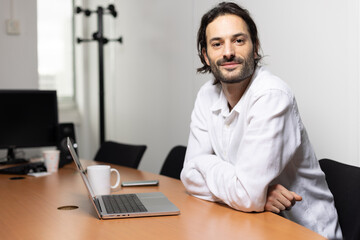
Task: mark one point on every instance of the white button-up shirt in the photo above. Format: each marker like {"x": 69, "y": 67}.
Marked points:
{"x": 233, "y": 157}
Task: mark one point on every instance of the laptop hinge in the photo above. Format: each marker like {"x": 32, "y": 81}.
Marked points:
{"x": 97, "y": 204}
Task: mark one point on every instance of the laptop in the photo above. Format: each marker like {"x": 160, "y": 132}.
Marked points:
{"x": 125, "y": 205}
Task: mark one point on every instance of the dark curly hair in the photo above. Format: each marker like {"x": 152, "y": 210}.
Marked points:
{"x": 220, "y": 10}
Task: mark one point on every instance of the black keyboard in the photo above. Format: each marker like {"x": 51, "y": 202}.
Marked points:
{"x": 24, "y": 168}
{"x": 123, "y": 203}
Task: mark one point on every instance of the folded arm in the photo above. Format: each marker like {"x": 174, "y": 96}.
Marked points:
{"x": 271, "y": 137}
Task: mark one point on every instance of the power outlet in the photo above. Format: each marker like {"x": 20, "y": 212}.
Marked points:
{"x": 12, "y": 27}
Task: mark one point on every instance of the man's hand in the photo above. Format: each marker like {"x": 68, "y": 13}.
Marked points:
{"x": 279, "y": 199}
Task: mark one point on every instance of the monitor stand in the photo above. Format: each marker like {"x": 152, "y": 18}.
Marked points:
{"x": 11, "y": 159}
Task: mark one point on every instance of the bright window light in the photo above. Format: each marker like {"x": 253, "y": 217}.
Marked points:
{"x": 55, "y": 47}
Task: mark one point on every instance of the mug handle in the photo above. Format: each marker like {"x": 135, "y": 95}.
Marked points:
{"x": 118, "y": 178}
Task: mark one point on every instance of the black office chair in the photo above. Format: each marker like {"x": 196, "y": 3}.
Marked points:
{"x": 344, "y": 184}
{"x": 121, "y": 154}
{"x": 174, "y": 162}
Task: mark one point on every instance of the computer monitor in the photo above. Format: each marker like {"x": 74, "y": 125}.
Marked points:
{"x": 28, "y": 118}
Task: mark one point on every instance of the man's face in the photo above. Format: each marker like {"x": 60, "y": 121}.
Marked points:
{"x": 230, "y": 52}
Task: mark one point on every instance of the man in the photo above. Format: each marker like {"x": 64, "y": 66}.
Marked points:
{"x": 247, "y": 146}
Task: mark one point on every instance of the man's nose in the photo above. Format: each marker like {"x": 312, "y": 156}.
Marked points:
{"x": 229, "y": 51}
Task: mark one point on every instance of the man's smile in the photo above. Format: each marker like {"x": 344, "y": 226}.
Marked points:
{"x": 230, "y": 65}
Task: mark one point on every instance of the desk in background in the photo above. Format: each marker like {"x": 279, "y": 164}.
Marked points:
{"x": 29, "y": 210}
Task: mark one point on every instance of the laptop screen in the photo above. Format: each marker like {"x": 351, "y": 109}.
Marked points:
{"x": 79, "y": 166}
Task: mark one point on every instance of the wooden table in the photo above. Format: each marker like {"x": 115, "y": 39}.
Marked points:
{"x": 29, "y": 210}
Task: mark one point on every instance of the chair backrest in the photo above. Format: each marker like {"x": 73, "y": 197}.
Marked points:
{"x": 344, "y": 184}
{"x": 174, "y": 162}
{"x": 121, "y": 154}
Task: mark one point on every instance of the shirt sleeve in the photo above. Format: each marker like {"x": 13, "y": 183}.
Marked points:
{"x": 272, "y": 135}
{"x": 199, "y": 146}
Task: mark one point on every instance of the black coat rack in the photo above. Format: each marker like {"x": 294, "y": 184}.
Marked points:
{"x": 99, "y": 37}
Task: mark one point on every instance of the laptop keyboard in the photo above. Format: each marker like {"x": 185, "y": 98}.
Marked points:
{"x": 124, "y": 203}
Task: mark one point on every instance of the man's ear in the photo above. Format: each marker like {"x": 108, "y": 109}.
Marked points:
{"x": 203, "y": 51}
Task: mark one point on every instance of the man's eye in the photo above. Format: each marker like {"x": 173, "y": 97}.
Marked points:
{"x": 216, "y": 44}
{"x": 239, "y": 41}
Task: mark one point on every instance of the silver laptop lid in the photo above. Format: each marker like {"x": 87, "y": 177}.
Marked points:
{"x": 79, "y": 166}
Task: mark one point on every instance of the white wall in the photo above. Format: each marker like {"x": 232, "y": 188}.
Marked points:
{"x": 155, "y": 77}
{"x": 18, "y": 53}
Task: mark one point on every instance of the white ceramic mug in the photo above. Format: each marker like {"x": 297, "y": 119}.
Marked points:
{"x": 99, "y": 178}
{"x": 51, "y": 160}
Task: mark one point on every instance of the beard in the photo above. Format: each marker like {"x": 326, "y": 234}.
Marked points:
{"x": 247, "y": 69}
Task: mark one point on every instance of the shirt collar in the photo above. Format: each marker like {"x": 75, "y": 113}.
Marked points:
{"x": 221, "y": 105}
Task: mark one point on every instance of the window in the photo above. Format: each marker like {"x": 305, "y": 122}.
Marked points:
{"x": 55, "y": 47}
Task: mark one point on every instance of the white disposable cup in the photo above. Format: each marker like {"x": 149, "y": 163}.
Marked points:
{"x": 51, "y": 160}
{"x": 99, "y": 178}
